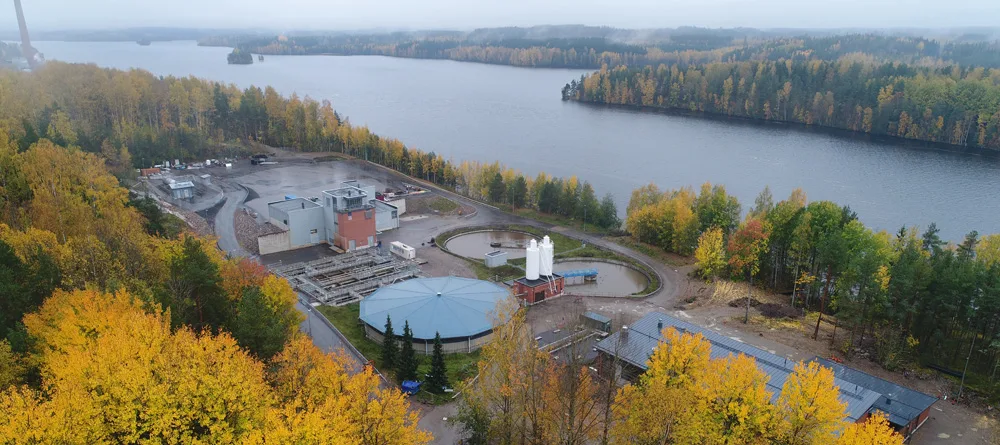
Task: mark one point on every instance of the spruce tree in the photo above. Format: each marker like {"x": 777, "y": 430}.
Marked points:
{"x": 389, "y": 352}
{"x": 406, "y": 366}
{"x": 438, "y": 379}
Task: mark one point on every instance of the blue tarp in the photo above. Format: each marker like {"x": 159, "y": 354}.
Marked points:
{"x": 410, "y": 387}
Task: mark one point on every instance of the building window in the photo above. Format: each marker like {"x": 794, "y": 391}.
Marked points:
{"x": 368, "y": 214}
{"x": 313, "y": 231}
{"x": 395, "y": 214}
{"x": 285, "y": 221}
{"x": 350, "y": 216}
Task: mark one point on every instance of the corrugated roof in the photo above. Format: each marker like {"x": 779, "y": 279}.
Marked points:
{"x": 644, "y": 335}
{"x": 596, "y": 316}
{"x": 455, "y": 307}
{"x": 900, "y": 404}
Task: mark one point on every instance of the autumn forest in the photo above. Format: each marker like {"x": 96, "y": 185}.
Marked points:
{"x": 117, "y": 326}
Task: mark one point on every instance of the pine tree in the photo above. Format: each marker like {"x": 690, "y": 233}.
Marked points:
{"x": 389, "y": 352}
{"x": 406, "y": 367}
{"x": 438, "y": 379}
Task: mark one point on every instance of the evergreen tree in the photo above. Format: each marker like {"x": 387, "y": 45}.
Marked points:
{"x": 406, "y": 367}
{"x": 194, "y": 289}
{"x": 389, "y": 347}
{"x": 438, "y": 379}
{"x": 609, "y": 213}
{"x": 496, "y": 188}
{"x": 259, "y": 328}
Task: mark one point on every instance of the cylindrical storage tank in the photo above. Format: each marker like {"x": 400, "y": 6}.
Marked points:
{"x": 546, "y": 251}
{"x": 531, "y": 261}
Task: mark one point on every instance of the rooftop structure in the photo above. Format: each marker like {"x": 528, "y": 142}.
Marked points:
{"x": 640, "y": 339}
{"x": 458, "y": 308}
{"x": 348, "y": 199}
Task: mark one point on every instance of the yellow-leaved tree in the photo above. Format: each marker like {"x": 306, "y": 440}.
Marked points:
{"x": 874, "y": 431}
{"x": 811, "y": 413}
{"x": 667, "y": 398}
{"x": 710, "y": 255}
{"x": 115, "y": 372}
{"x": 685, "y": 397}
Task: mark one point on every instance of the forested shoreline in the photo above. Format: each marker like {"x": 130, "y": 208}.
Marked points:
{"x": 947, "y": 105}
{"x": 134, "y": 119}
{"x": 592, "y": 50}
{"x": 902, "y": 299}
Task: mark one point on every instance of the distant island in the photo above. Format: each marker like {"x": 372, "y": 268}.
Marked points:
{"x": 238, "y": 57}
{"x": 144, "y": 42}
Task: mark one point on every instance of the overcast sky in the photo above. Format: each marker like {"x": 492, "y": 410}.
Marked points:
{"x": 467, "y": 14}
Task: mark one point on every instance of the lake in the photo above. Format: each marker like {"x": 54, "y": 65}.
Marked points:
{"x": 515, "y": 115}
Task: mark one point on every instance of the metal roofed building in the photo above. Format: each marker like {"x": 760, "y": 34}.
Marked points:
{"x": 639, "y": 340}
{"x": 181, "y": 190}
{"x": 905, "y": 408}
{"x": 460, "y": 309}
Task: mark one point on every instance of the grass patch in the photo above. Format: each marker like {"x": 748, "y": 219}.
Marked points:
{"x": 560, "y": 221}
{"x": 345, "y": 318}
{"x": 507, "y": 272}
{"x": 443, "y": 205}
{"x": 650, "y": 251}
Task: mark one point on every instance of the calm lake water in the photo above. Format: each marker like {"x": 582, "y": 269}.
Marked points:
{"x": 515, "y": 115}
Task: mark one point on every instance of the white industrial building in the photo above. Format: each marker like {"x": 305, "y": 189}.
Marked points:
{"x": 348, "y": 217}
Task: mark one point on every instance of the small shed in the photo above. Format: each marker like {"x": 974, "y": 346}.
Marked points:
{"x": 593, "y": 320}
{"x": 182, "y": 190}
{"x": 496, "y": 258}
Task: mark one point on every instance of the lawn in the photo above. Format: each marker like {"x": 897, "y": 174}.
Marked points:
{"x": 443, "y": 205}
{"x": 559, "y": 221}
{"x": 345, "y": 318}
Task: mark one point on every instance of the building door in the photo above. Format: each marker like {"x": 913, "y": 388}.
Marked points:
{"x": 351, "y": 245}
{"x": 539, "y": 296}
{"x": 314, "y": 236}
{"x": 371, "y": 241}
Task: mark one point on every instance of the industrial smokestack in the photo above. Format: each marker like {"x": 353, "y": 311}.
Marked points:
{"x": 29, "y": 52}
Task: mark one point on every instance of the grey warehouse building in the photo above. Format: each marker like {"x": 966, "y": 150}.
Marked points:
{"x": 862, "y": 393}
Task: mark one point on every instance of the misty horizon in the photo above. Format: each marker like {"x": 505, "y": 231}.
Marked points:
{"x": 398, "y": 15}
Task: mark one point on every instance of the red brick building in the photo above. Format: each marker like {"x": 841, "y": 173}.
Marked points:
{"x": 535, "y": 291}
{"x": 353, "y": 216}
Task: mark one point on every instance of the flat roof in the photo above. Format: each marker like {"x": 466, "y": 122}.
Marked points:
{"x": 900, "y": 404}
{"x": 180, "y": 185}
{"x": 644, "y": 336}
{"x": 535, "y": 283}
{"x": 289, "y": 205}
{"x": 597, "y": 317}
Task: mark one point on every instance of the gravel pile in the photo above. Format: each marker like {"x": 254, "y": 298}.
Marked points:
{"x": 247, "y": 231}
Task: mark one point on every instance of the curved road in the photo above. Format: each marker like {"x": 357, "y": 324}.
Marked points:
{"x": 328, "y": 338}
{"x": 225, "y": 219}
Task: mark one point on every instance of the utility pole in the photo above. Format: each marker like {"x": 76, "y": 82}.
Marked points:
{"x": 961, "y": 386}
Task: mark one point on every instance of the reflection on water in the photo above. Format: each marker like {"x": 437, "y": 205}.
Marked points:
{"x": 468, "y": 111}
{"x": 612, "y": 279}
{"x": 475, "y": 245}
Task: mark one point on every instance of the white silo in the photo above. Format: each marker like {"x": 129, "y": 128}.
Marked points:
{"x": 531, "y": 261}
{"x": 547, "y": 257}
